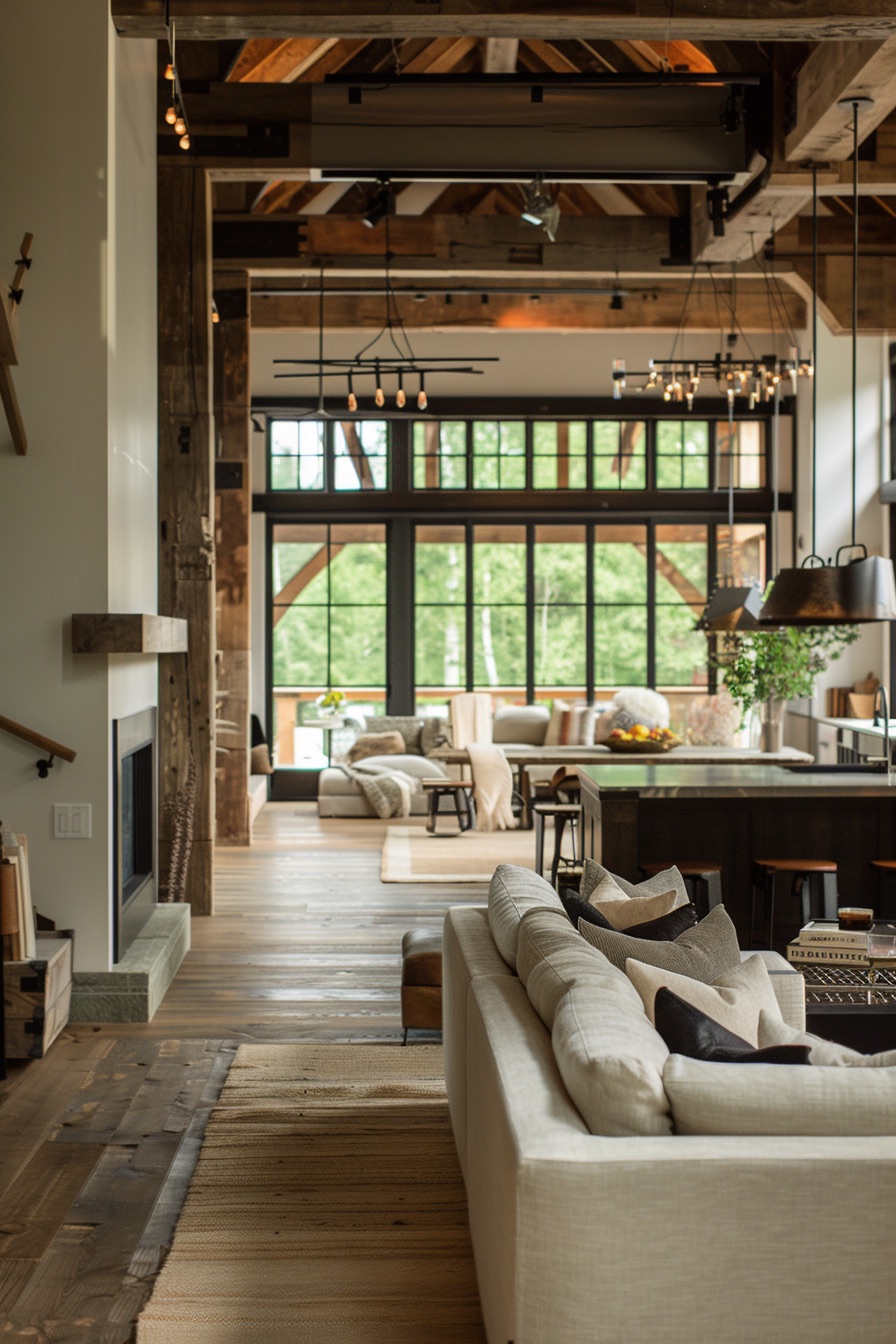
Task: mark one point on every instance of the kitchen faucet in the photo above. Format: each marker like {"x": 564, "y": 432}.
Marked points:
{"x": 881, "y": 710}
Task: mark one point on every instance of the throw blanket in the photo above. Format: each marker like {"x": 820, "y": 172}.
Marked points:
{"x": 471, "y": 718}
{"x": 387, "y": 791}
{"x": 492, "y": 788}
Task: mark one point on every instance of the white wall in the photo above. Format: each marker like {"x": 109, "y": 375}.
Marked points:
{"x": 86, "y": 384}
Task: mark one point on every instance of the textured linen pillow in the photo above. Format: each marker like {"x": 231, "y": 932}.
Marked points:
{"x": 260, "y": 760}
{"x": 622, "y": 910}
{"x": 775, "y": 1031}
{"x": 704, "y": 952}
{"x": 689, "y": 1032}
{"x": 434, "y": 733}
{"x": 665, "y": 929}
{"x": 409, "y": 727}
{"x": 512, "y": 891}
{"x": 556, "y": 723}
{"x": 766, "y": 1100}
{"x": 376, "y": 744}
{"x": 593, "y": 873}
{"x": 734, "y": 999}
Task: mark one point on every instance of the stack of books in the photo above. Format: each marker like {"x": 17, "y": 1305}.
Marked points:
{"x": 823, "y": 941}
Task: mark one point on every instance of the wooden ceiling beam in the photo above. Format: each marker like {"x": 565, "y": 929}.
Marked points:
{"x": 831, "y": 73}
{"x": 690, "y": 21}
{"x": 537, "y": 309}
{"x": 270, "y": 61}
{"x": 499, "y": 55}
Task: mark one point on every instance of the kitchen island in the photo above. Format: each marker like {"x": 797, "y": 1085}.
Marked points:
{"x": 731, "y": 815}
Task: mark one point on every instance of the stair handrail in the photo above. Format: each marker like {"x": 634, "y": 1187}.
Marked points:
{"x": 38, "y": 740}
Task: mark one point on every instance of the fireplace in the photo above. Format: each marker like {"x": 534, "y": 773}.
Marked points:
{"x": 134, "y": 805}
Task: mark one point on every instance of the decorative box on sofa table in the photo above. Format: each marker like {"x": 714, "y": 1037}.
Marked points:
{"x": 37, "y": 996}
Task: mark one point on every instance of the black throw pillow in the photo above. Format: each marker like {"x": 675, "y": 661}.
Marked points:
{"x": 689, "y": 1032}
{"x": 664, "y": 929}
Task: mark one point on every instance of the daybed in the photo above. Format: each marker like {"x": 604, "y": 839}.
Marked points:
{"x": 593, "y": 1222}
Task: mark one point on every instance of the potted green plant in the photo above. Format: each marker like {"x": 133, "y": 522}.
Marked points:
{"x": 769, "y": 667}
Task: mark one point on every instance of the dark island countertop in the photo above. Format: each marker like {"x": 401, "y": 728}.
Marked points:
{"x": 734, "y": 781}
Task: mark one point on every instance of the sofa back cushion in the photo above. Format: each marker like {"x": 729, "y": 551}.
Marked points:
{"x": 524, "y": 725}
{"x": 707, "y": 950}
{"x": 513, "y": 891}
{"x": 610, "y": 1058}
{"x": 375, "y": 744}
{"x": 709, "y": 1098}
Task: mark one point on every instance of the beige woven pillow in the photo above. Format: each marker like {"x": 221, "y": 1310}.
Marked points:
{"x": 625, "y": 911}
{"x": 775, "y": 1031}
{"x": 734, "y": 999}
{"x": 594, "y": 873}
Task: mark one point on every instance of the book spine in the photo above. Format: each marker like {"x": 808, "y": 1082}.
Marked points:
{"x": 857, "y": 941}
{"x": 833, "y": 955}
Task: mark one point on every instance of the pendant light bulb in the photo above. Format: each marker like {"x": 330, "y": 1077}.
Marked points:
{"x": 171, "y": 116}
{"x": 400, "y": 398}
{"x": 180, "y": 126}
{"x": 352, "y": 399}
{"x": 169, "y": 71}
{"x": 184, "y": 141}
{"x": 422, "y": 401}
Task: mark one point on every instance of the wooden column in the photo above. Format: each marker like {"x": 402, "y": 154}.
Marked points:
{"x": 230, "y": 339}
{"x": 186, "y": 544}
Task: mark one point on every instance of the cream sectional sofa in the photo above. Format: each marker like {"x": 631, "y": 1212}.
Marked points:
{"x": 638, "y": 1233}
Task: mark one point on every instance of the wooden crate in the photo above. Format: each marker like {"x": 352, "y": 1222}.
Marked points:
{"x": 37, "y": 995}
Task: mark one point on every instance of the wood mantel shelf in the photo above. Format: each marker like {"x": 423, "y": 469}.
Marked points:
{"x": 128, "y": 632}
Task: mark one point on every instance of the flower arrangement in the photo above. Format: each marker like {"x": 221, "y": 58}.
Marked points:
{"x": 331, "y": 701}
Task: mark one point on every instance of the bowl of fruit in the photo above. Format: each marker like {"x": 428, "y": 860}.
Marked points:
{"x": 641, "y": 740}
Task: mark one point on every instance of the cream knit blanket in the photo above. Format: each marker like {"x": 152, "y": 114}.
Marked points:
{"x": 492, "y": 788}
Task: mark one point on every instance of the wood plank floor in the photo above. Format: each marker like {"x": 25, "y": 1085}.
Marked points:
{"x": 98, "y": 1140}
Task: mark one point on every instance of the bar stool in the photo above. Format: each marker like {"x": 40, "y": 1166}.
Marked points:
{"x": 460, "y": 792}
{"x": 561, "y": 814}
{"x": 814, "y": 881}
{"x": 882, "y": 867}
{"x": 703, "y": 880}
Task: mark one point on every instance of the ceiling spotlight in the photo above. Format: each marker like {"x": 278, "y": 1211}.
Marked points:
{"x": 540, "y": 209}
{"x": 382, "y": 206}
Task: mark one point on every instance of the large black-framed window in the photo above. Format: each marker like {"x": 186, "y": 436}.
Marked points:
{"x": 537, "y": 590}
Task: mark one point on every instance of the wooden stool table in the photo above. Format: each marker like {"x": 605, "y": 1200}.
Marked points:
{"x": 460, "y": 791}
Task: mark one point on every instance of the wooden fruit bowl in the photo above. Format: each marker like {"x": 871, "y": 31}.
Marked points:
{"x": 642, "y": 746}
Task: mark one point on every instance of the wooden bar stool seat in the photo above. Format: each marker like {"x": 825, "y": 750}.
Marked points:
{"x": 885, "y": 903}
{"x": 702, "y": 879}
{"x": 460, "y": 794}
{"x": 813, "y": 882}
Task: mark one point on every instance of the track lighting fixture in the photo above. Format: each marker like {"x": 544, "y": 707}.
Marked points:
{"x": 382, "y": 206}
{"x": 540, "y": 209}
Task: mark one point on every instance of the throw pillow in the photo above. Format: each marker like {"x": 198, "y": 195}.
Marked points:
{"x": 734, "y": 999}
{"x": 775, "y": 1031}
{"x": 779, "y": 1101}
{"x": 556, "y": 724}
{"x": 594, "y": 872}
{"x": 689, "y": 1032}
{"x": 703, "y": 952}
{"x": 409, "y": 727}
{"x": 376, "y": 744}
{"x": 648, "y": 707}
{"x": 665, "y": 929}
{"x": 260, "y": 760}
{"x": 622, "y": 911}
{"x": 434, "y": 733}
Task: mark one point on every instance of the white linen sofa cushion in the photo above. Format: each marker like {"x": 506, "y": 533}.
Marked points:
{"x": 512, "y": 891}
{"x": 624, "y": 911}
{"x": 418, "y": 767}
{"x": 734, "y": 999}
{"x": 779, "y": 1099}
{"x": 703, "y": 952}
{"x": 610, "y": 1057}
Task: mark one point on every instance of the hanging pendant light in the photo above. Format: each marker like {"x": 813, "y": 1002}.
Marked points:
{"x": 861, "y": 588}
{"x": 731, "y": 607}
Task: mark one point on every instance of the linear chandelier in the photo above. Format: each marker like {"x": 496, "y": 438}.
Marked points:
{"x": 388, "y": 368}
{"x": 757, "y": 379}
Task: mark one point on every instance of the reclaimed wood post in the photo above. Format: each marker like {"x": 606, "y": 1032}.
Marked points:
{"x": 230, "y": 339}
{"x": 186, "y": 542}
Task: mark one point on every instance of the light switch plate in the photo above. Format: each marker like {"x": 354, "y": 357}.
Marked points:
{"x": 72, "y": 821}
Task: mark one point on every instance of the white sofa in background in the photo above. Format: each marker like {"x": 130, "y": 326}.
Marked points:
{"x": 656, "y": 1238}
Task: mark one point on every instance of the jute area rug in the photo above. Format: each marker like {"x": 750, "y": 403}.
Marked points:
{"x": 327, "y": 1207}
{"x": 411, "y": 854}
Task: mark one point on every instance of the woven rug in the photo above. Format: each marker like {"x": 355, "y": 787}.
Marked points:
{"x": 411, "y": 854}
{"x": 327, "y": 1207}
